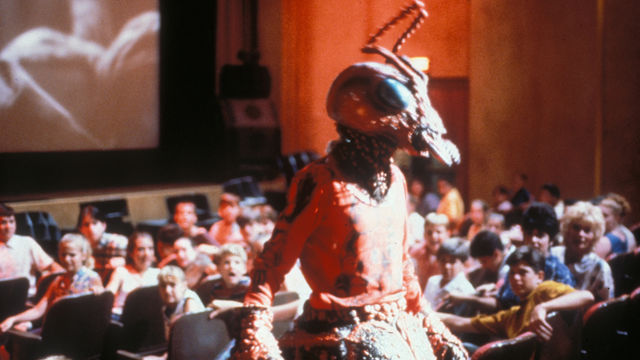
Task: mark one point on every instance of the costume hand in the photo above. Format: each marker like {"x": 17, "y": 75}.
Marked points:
{"x": 538, "y": 323}
{"x": 256, "y": 339}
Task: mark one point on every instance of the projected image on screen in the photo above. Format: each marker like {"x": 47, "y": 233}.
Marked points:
{"x": 78, "y": 75}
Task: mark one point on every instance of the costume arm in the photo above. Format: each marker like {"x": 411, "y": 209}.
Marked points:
{"x": 445, "y": 345}
{"x": 295, "y": 224}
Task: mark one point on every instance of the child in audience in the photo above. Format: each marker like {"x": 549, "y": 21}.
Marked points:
{"x": 436, "y": 230}
{"x": 74, "y": 252}
{"x": 537, "y": 297}
{"x": 227, "y": 229}
{"x": 109, "y": 250}
{"x": 229, "y": 290}
{"x": 451, "y": 256}
{"x": 478, "y": 216}
{"x": 582, "y": 225}
{"x": 138, "y": 272}
{"x": 184, "y": 215}
{"x": 177, "y": 299}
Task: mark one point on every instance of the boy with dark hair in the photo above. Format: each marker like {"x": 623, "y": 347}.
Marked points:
{"x": 538, "y": 298}
{"x": 539, "y": 226}
{"x": 488, "y": 250}
{"x": 451, "y": 257}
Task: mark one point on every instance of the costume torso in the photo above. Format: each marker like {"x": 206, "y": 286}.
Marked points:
{"x": 351, "y": 248}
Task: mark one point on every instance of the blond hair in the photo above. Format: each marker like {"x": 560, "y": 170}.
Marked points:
{"x": 233, "y": 250}
{"x": 81, "y": 243}
{"x": 171, "y": 273}
{"x": 436, "y": 219}
{"x": 583, "y": 212}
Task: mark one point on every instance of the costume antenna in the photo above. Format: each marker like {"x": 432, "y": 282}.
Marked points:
{"x": 416, "y": 6}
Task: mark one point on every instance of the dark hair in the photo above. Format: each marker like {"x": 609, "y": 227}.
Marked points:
{"x": 501, "y": 189}
{"x": 485, "y": 243}
{"x": 529, "y": 255}
{"x": 540, "y": 216}
{"x": 131, "y": 244}
{"x": 455, "y": 247}
{"x": 92, "y": 211}
{"x": 552, "y": 189}
{"x": 168, "y": 234}
{"x": 6, "y": 210}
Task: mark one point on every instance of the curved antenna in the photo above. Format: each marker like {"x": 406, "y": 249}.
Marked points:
{"x": 418, "y": 6}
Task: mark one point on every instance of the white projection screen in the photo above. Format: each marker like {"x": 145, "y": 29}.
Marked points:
{"x": 78, "y": 75}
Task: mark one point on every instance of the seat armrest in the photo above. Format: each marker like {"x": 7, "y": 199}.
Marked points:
{"x": 24, "y": 335}
{"x": 124, "y": 354}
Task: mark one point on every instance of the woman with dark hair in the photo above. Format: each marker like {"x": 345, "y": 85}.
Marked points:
{"x": 138, "y": 271}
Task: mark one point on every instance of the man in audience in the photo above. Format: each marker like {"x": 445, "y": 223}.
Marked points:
{"x": 109, "y": 249}
{"x": 21, "y": 256}
{"x": 539, "y": 226}
{"x": 537, "y": 298}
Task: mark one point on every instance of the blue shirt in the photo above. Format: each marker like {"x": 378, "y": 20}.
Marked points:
{"x": 554, "y": 270}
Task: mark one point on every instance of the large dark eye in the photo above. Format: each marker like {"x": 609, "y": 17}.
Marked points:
{"x": 393, "y": 95}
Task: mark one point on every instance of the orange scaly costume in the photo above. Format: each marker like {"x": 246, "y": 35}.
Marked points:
{"x": 346, "y": 221}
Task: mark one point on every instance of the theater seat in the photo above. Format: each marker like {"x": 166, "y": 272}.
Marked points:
{"x": 625, "y": 269}
{"x": 141, "y": 326}
{"x": 13, "y": 296}
{"x": 521, "y": 347}
{"x": 610, "y": 329}
{"x": 74, "y": 326}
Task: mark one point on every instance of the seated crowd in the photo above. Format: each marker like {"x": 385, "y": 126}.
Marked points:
{"x": 497, "y": 270}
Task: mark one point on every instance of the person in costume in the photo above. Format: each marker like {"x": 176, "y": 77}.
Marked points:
{"x": 346, "y": 222}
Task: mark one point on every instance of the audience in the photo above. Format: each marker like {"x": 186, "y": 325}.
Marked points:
{"x": 537, "y": 298}
{"x": 425, "y": 201}
{"x": 520, "y": 276}
{"x": 75, "y": 256}
{"x": 138, "y": 271}
{"x": 582, "y": 225}
{"x": 109, "y": 250}
{"x": 21, "y": 256}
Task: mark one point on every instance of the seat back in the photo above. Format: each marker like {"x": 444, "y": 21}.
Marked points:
{"x": 142, "y": 321}
{"x": 625, "y": 269}
{"x": 195, "y": 336}
{"x": 205, "y": 288}
{"x": 565, "y": 340}
{"x": 610, "y": 329}
{"x": 76, "y": 325}
{"x": 116, "y": 213}
{"x": 41, "y": 226}
{"x": 522, "y": 347}
{"x": 43, "y": 285}
{"x": 13, "y": 296}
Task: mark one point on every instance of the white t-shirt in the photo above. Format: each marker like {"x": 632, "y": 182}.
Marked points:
{"x": 22, "y": 256}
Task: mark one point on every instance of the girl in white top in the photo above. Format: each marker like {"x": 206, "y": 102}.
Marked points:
{"x": 177, "y": 298}
{"x": 138, "y": 271}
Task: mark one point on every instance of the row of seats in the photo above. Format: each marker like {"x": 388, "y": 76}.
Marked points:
{"x": 79, "y": 327}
